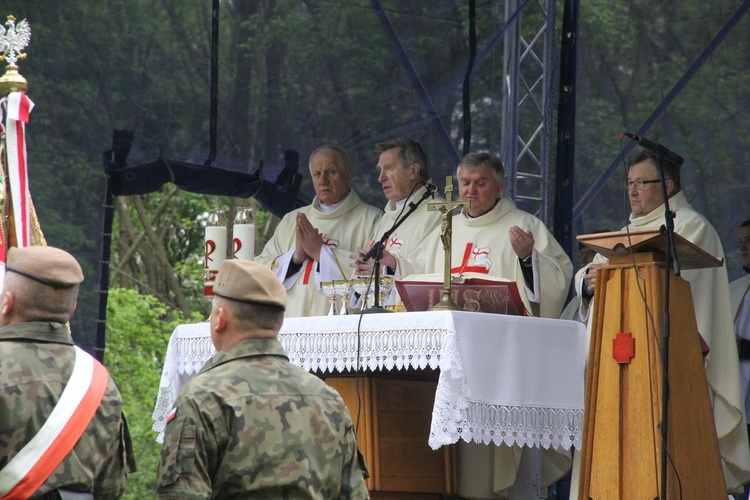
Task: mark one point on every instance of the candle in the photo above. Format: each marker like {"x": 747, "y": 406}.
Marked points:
{"x": 244, "y": 241}
{"x": 244, "y": 234}
{"x": 216, "y": 249}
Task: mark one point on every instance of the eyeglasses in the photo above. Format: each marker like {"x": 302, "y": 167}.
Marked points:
{"x": 639, "y": 185}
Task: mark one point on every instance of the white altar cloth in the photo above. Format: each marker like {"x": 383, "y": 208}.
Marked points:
{"x": 503, "y": 379}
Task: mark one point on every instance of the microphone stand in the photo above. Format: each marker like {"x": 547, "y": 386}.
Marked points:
{"x": 376, "y": 307}
{"x": 377, "y": 250}
{"x": 671, "y": 260}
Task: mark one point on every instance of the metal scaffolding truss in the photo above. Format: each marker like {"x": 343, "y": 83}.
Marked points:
{"x": 527, "y": 128}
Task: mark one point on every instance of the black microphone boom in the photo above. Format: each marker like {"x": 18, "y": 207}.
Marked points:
{"x": 656, "y": 148}
{"x": 371, "y": 253}
{"x": 431, "y": 188}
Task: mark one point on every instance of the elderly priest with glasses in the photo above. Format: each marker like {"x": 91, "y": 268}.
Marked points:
{"x": 710, "y": 290}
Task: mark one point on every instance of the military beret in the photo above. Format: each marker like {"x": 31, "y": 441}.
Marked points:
{"x": 248, "y": 281}
{"x": 48, "y": 265}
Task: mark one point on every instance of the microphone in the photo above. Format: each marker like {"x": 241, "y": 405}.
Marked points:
{"x": 431, "y": 188}
{"x": 656, "y": 148}
{"x": 375, "y": 248}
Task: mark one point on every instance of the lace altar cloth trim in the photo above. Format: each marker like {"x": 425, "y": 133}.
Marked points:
{"x": 523, "y": 426}
{"x": 378, "y": 350}
{"x": 333, "y": 352}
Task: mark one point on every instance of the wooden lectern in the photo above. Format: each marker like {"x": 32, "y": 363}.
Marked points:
{"x": 622, "y": 444}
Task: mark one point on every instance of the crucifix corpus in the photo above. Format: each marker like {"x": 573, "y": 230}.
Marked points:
{"x": 446, "y": 233}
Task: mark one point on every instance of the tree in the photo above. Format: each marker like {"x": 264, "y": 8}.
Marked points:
{"x": 140, "y": 327}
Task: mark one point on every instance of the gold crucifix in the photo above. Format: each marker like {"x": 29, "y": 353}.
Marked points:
{"x": 446, "y": 233}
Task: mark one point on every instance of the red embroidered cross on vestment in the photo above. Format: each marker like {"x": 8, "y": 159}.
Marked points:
{"x": 310, "y": 263}
{"x": 469, "y": 251}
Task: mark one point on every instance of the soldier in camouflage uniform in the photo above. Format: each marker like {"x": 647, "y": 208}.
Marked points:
{"x": 36, "y": 360}
{"x": 251, "y": 424}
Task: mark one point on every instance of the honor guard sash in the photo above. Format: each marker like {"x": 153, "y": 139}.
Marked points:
{"x": 39, "y": 458}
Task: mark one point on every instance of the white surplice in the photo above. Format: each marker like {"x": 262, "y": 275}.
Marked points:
{"x": 404, "y": 240}
{"x": 482, "y": 245}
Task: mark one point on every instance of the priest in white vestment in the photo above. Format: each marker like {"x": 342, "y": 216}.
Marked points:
{"x": 710, "y": 290}
{"x": 495, "y": 238}
{"x": 403, "y": 173}
{"x": 313, "y": 244}
{"x": 740, "y": 298}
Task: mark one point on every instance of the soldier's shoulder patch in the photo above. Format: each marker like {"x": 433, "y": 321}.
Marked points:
{"x": 172, "y": 414}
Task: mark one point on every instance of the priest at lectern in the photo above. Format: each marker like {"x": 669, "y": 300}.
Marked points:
{"x": 710, "y": 290}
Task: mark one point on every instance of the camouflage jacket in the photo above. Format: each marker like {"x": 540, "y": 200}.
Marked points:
{"x": 251, "y": 424}
{"x": 36, "y": 360}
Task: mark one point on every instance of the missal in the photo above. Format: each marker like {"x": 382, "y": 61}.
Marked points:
{"x": 474, "y": 292}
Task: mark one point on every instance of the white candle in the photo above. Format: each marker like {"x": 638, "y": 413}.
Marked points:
{"x": 244, "y": 241}
{"x": 216, "y": 253}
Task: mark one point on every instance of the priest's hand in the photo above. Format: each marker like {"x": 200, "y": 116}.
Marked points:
{"x": 299, "y": 256}
{"x": 308, "y": 241}
{"x": 589, "y": 278}
{"x": 362, "y": 268}
{"x": 521, "y": 241}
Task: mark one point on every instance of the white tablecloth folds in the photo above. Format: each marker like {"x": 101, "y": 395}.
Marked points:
{"x": 503, "y": 379}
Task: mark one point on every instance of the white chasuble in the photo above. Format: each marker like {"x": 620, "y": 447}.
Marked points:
{"x": 403, "y": 242}
{"x": 740, "y": 298}
{"x": 482, "y": 245}
{"x": 343, "y": 230}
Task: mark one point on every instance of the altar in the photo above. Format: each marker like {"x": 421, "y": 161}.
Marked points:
{"x": 510, "y": 380}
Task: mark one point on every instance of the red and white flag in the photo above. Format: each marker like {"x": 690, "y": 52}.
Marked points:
{"x": 16, "y": 109}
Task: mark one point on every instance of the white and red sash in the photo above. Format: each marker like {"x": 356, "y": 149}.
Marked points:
{"x": 83, "y": 393}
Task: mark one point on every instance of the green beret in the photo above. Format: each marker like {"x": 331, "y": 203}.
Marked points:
{"x": 248, "y": 281}
{"x": 48, "y": 265}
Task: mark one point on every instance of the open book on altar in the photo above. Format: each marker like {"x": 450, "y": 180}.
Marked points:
{"x": 473, "y": 292}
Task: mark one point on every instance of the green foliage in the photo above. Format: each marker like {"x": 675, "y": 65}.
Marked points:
{"x": 138, "y": 330}
{"x": 632, "y": 55}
